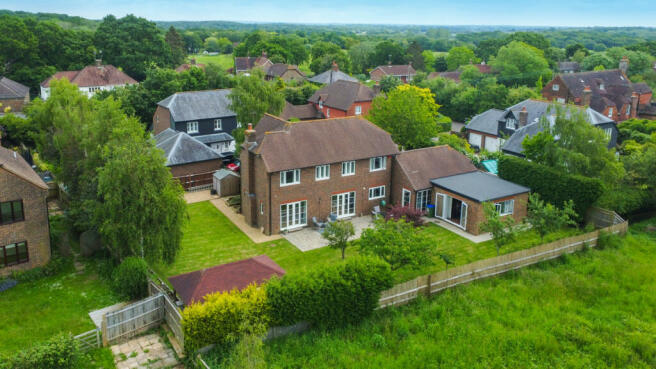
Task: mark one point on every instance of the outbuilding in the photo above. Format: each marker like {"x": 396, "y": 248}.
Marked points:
{"x": 226, "y": 183}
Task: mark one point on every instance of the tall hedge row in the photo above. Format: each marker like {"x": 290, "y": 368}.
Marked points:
{"x": 553, "y": 186}
{"x": 330, "y": 296}
{"x": 60, "y": 352}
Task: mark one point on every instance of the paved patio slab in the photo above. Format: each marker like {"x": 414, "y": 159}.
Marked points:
{"x": 144, "y": 352}
{"x": 309, "y": 238}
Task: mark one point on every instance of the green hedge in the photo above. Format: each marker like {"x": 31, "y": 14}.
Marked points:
{"x": 329, "y": 296}
{"x": 60, "y": 352}
{"x": 553, "y": 186}
{"x": 130, "y": 279}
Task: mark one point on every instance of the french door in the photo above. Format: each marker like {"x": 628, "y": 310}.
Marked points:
{"x": 452, "y": 210}
{"x": 343, "y": 204}
{"x": 293, "y": 215}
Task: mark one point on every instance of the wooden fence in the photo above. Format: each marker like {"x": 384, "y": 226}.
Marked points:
{"x": 89, "y": 340}
{"x": 133, "y": 319}
{"x": 172, "y": 315}
{"x": 432, "y": 283}
{"x": 196, "y": 181}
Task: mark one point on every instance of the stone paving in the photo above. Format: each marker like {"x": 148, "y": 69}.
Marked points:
{"x": 309, "y": 238}
{"x": 145, "y": 352}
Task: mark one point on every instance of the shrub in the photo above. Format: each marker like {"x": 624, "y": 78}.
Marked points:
{"x": 56, "y": 265}
{"x": 553, "y": 186}
{"x": 222, "y": 318}
{"x": 130, "y": 279}
{"x": 409, "y": 214}
{"x": 329, "y": 296}
{"x": 60, "y": 352}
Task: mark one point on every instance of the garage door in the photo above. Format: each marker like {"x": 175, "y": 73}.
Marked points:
{"x": 491, "y": 144}
{"x": 475, "y": 139}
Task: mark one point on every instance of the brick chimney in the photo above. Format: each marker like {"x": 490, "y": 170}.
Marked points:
{"x": 376, "y": 88}
{"x": 635, "y": 98}
{"x": 624, "y": 64}
{"x": 249, "y": 133}
{"x": 587, "y": 96}
{"x": 523, "y": 117}
{"x": 335, "y": 66}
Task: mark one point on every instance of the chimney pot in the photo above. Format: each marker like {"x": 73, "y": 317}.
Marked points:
{"x": 587, "y": 96}
{"x": 335, "y": 66}
{"x": 250, "y": 133}
{"x": 635, "y": 101}
{"x": 624, "y": 64}
{"x": 523, "y": 117}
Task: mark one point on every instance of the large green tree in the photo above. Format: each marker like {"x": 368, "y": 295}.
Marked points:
{"x": 409, "y": 113}
{"x": 176, "y": 44}
{"x": 521, "y": 64}
{"x": 252, "y": 96}
{"x": 460, "y": 55}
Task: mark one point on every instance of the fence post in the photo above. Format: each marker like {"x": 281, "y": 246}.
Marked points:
{"x": 428, "y": 288}
{"x": 97, "y": 337}
{"x": 104, "y": 331}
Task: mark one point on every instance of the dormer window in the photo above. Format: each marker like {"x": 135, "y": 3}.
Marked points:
{"x": 555, "y": 87}
{"x": 320, "y": 104}
{"x": 192, "y": 127}
{"x": 610, "y": 112}
{"x": 601, "y": 86}
{"x": 511, "y": 123}
{"x": 218, "y": 125}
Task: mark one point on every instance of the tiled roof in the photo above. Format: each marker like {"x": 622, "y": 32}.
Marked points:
{"x": 309, "y": 143}
{"x": 187, "y": 66}
{"x": 194, "y": 286}
{"x": 180, "y": 148}
{"x": 302, "y": 112}
{"x": 278, "y": 69}
{"x": 422, "y": 165}
{"x": 486, "y": 122}
{"x": 332, "y": 75}
{"x": 12, "y": 90}
{"x": 569, "y": 66}
{"x": 268, "y": 123}
{"x": 196, "y": 105}
{"x": 480, "y": 186}
{"x": 243, "y": 63}
{"x": 104, "y": 75}
{"x": 397, "y": 70}
{"x": 12, "y": 162}
{"x": 342, "y": 94}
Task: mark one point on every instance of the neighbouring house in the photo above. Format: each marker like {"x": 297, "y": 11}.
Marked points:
{"x": 405, "y": 73}
{"x": 494, "y": 128}
{"x": 186, "y": 66}
{"x": 413, "y": 171}
{"x": 91, "y": 79}
{"x": 24, "y": 227}
{"x": 204, "y": 115}
{"x": 286, "y": 72}
{"x": 194, "y": 286}
{"x": 13, "y": 95}
{"x": 610, "y": 92}
{"x": 569, "y": 67}
{"x": 332, "y": 75}
{"x": 459, "y": 199}
{"x": 300, "y": 112}
{"x": 244, "y": 64}
{"x": 342, "y": 99}
{"x": 292, "y": 172}
{"x": 191, "y": 162}
{"x": 455, "y": 75}
{"x": 226, "y": 182}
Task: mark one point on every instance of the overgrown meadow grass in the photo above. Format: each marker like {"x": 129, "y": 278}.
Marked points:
{"x": 593, "y": 309}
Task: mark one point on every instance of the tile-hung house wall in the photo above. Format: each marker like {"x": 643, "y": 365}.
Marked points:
{"x": 310, "y": 169}
{"x": 24, "y": 227}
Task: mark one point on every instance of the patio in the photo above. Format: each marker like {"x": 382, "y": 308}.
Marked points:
{"x": 309, "y": 238}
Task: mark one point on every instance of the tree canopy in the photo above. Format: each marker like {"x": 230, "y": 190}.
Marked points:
{"x": 521, "y": 64}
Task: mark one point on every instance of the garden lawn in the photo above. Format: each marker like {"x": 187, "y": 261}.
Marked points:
{"x": 225, "y": 61}
{"x": 592, "y": 309}
{"x": 212, "y": 239}
{"x": 32, "y": 312}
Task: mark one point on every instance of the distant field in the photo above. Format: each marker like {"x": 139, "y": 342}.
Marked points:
{"x": 224, "y": 60}
{"x": 593, "y": 309}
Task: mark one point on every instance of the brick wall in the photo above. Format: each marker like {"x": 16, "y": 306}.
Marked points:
{"x": 549, "y": 94}
{"x": 161, "y": 120}
{"x": 399, "y": 182}
{"x": 16, "y": 105}
{"x": 336, "y": 113}
{"x": 34, "y": 229}
{"x": 377, "y": 75}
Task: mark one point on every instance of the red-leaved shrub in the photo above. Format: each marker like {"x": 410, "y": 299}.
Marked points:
{"x": 411, "y": 215}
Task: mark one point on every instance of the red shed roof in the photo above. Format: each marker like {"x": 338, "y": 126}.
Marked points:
{"x": 194, "y": 286}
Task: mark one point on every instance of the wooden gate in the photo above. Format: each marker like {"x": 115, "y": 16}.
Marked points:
{"x": 133, "y": 319}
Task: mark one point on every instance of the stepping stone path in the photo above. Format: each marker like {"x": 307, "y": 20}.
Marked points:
{"x": 145, "y": 352}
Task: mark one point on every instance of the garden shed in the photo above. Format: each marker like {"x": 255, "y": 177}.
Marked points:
{"x": 226, "y": 182}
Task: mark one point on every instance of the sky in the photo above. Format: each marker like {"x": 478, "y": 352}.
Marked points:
{"x": 582, "y": 13}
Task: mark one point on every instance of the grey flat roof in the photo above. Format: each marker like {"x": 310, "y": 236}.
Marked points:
{"x": 479, "y": 186}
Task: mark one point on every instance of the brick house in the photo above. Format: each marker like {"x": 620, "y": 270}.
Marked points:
{"x": 13, "y": 95}
{"x": 24, "y": 227}
{"x": 413, "y": 171}
{"x": 609, "y": 92}
{"x": 342, "y": 99}
{"x": 191, "y": 162}
{"x": 243, "y": 64}
{"x": 186, "y": 66}
{"x": 405, "y": 73}
{"x": 286, "y": 72}
{"x": 91, "y": 79}
{"x": 494, "y": 128}
{"x": 455, "y": 75}
{"x": 300, "y": 112}
{"x": 459, "y": 199}
{"x": 292, "y": 172}
{"x": 204, "y": 115}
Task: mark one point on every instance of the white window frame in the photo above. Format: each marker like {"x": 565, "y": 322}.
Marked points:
{"x": 555, "y": 87}
{"x": 262, "y": 207}
{"x": 343, "y": 204}
{"x": 283, "y": 177}
{"x": 628, "y": 110}
{"x": 322, "y": 172}
{"x": 560, "y": 100}
{"x": 609, "y": 132}
{"x": 299, "y": 219}
{"x": 382, "y": 164}
{"x": 327, "y": 112}
{"x": 422, "y": 200}
{"x": 403, "y": 200}
{"x": 373, "y": 190}
{"x": 502, "y": 207}
{"x": 348, "y": 168}
{"x": 358, "y": 110}
{"x": 320, "y": 104}
{"x": 610, "y": 112}
{"x": 510, "y": 123}
{"x": 193, "y": 125}
{"x": 220, "y": 125}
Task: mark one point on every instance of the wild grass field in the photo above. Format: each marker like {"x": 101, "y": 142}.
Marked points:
{"x": 594, "y": 309}
{"x": 225, "y": 61}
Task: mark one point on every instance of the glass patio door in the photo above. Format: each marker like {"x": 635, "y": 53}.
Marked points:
{"x": 343, "y": 204}
{"x": 463, "y": 215}
{"x": 293, "y": 215}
